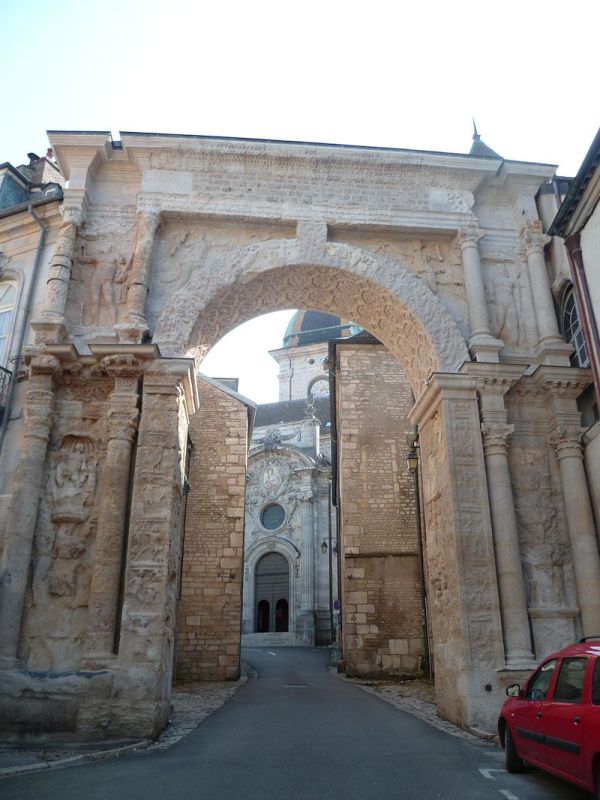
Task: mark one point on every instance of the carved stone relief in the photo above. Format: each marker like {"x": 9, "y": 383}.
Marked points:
{"x": 376, "y": 292}
{"x": 542, "y": 528}
{"x": 100, "y": 274}
{"x": 507, "y": 296}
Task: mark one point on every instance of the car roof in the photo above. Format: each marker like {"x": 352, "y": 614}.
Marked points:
{"x": 591, "y": 648}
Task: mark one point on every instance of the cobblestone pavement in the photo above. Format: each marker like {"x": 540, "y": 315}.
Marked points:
{"x": 190, "y": 705}
{"x": 418, "y": 697}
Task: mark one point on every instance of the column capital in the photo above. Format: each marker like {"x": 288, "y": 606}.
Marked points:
{"x": 44, "y": 364}
{"x": 567, "y": 441}
{"x": 469, "y": 235}
{"x": 533, "y": 238}
{"x": 495, "y": 438}
{"x": 72, "y": 214}
{"x": 121, "y": 365}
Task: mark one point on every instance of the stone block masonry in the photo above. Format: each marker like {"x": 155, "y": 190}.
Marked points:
{"x": 383, "y": 623}
{"x": 208, "y": 641}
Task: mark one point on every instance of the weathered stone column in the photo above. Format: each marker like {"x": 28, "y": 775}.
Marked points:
{"x": 52, "y": 318}
{"x": 492, "y": 385}
{"x": 112, "y": 515}
{"x": 580, "y": 522}
{"x": 132, "y": 331}
{"x": 551, "y": 348}
{"x": 22, "y": 514}
{"x": 481, "y": 342}
{"x": 462, "y": 588}
{"x": 563, "y": 386}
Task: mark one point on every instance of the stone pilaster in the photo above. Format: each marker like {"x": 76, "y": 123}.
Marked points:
{"x": 551, "y": 349}
{"x": 562, "y": 387}
{"x": 462, "y": 591}
{"x": 22, "y": 513}
{"x": 149, "y": 597}
{"x": 112, "y": 515}
{"x": 482, "y": 344}
{"x": 51, "y": 326}
{"x": 492, "y": 385}
{"x": 134, "y": 329}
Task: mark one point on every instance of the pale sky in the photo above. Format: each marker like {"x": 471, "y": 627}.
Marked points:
{"x": 394, "y": 74}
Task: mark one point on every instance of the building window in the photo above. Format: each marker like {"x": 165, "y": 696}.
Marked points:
{"x": 572, "y": 330}
{"x": 8, "y": 294}
{"x": 272, "y": 516}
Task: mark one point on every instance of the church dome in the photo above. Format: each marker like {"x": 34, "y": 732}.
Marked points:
{"x": 311, "y": 327}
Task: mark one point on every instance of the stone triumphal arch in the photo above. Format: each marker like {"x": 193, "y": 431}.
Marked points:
{"x": 123, "y": 458}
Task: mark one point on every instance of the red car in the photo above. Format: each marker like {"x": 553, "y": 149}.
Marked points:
{"x": 553, "y": 722}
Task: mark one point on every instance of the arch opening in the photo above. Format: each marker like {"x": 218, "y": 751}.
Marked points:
{"x": 375, "y": 292}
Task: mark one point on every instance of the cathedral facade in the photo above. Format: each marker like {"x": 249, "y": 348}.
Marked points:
{"x": 290, "y": 551}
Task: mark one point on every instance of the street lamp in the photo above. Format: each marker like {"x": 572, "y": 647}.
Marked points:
{"x": 324, "y": 547}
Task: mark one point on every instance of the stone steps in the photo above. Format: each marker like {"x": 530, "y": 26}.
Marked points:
{"x": 271, "y": 640}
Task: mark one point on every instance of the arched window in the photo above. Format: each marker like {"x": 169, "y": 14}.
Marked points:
{"x": 572, "y": 330}
{"x": 8, "y": 296}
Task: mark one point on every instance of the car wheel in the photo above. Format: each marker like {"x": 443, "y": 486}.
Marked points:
{"x": 513, "y": 762}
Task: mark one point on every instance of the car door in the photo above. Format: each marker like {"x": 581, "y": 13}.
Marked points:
{"x": 563, "y": 718}
{"x": 527, "y": 714}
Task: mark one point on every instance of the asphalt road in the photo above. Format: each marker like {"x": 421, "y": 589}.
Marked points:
{"x": 299, "y": 733}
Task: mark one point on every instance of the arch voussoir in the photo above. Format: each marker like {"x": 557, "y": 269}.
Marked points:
{"x": 373, "y": 290}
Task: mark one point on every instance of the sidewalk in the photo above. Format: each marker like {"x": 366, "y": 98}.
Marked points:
{"x": 190, "y": 705}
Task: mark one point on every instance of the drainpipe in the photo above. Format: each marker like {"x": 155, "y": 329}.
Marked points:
{"x": 26, "y": 315}
{"x": 330, "y": 553}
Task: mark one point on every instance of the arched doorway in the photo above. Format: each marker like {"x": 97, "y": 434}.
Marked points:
{"x": 381, "y": 296}
{"x": 272, "y": 593}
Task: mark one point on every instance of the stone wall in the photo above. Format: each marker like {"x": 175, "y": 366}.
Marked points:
{"x": 382, "y": 599}
{"x": 210, "y": 608}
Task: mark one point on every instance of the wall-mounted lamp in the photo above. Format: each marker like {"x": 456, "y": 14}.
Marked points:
{"x": 412, "y": 460}
{"x": 324, "y": 547}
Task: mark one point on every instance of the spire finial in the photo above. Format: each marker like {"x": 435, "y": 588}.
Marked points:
{"x": 476, "y": 136}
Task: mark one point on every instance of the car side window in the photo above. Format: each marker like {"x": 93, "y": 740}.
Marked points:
{"x": 571, "y": 677}
{"x": 537, "y": 688}
{"x": 596, "y": 684}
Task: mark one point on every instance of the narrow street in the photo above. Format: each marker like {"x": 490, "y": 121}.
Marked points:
{"x": 297, "y": 732}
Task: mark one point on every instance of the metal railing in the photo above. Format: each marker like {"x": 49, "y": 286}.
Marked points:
{"x": 5, "y": 378}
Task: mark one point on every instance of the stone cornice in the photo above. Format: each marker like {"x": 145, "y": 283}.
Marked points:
{"x": 441, "y": 386}
{"x": 493, "y": 378}
{"x": 563, "y": 382}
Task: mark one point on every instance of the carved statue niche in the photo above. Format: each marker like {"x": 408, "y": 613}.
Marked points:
{"x": 107, "y": 285}
{"x": 72, "y": 490}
